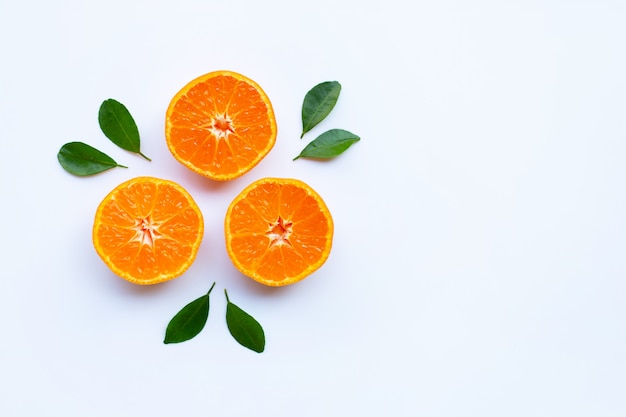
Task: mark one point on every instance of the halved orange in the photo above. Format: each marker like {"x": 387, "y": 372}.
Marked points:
{"x": 148, "y": 230}
{"x": 278, "y": 231}
{"x": 220, "y": 125}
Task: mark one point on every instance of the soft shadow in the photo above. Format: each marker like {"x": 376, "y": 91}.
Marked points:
{"x": 251, "y": 286}
{"x": 196, "y": 180}
{"x": 128, "y": 288}
{"x": 315, "y": 160}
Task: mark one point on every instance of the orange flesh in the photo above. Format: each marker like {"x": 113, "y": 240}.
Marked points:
{"x": 220, "y": 125}
{"x": 278, "y": 231}
{"x": 148, "y": 231}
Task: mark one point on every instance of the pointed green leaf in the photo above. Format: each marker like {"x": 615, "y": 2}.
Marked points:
{"x": 81, "y": 159}
{"x": 189, "y": 321}
{"x": 329, "y": 144}
{"x": 244, "y": 328}
{"x": 118, "y": 125}
{"x": 318, "y": 103}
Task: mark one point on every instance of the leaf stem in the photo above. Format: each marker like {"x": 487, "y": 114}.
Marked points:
{"x": 226, "y": 293}
{"x": 211, "y": 289}
{"x": 121, "y": 166}
{"x": 145, "y": 156}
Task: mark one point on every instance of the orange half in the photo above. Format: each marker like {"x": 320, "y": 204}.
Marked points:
{"x": 148, "y": 230}
{"x": 278, "y": 231}
{"x": 220, "y": 125}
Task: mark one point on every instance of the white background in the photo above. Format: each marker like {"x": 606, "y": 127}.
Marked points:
{"x": 478, "y": 266}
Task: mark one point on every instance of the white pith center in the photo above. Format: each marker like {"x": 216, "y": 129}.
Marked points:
{"x": 279, "y": 232}
{"x": 147, "y": 231}
{"x": 222, "y": 126}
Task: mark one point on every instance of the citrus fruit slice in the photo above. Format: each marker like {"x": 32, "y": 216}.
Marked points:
{"x": 278, "y": 231}
{"x": 148, "y": 230}
{"x": 220, "y": 125}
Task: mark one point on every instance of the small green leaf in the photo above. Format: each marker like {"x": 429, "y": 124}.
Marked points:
{"x": 189, "y": 321}
{"x": 318, "y": 103}
{"x": 244, "y": 328}
{"x": 329, "y": 144}
{"x": 118, "y": 125}
{"x": 81, "y": 159}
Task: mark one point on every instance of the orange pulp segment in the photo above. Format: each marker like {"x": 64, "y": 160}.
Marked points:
{"x": 220, "y": 125}
{"x": 278, "y": 231}
{"x": 148, "y": 230}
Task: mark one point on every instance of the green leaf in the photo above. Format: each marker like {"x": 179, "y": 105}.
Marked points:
{"x": 189, "y": 321}
{"x": 118, "y": 125}
{"x": 244, "y": 328}
{"x": 81, "y": 159}
{"x": 329, "y": 144}
{"x": 318, "y": 103}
